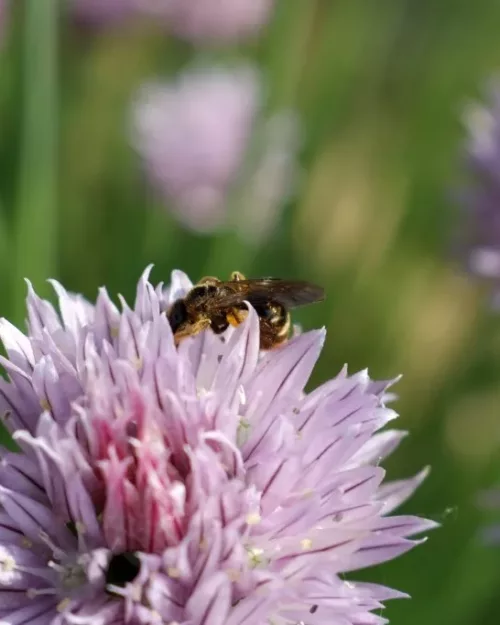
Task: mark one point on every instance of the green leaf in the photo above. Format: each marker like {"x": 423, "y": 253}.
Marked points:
{"x": 35, "y": 254}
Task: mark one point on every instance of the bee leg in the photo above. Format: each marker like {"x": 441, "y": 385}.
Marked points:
{"x": 237, "y": 276}
{"x": 191, "y": 330}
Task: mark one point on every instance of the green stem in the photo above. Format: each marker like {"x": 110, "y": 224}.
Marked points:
{"x": 287, "y": 55}
{"x": 162, "y": 233}
{"x": 229, "y": 253}
{"x": 36, "y": 215}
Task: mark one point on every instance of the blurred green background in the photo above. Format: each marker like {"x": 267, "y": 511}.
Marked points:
{"x": 379, "y": 86}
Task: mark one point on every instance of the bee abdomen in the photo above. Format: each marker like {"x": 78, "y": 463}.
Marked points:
{"x": 283, "y": 326}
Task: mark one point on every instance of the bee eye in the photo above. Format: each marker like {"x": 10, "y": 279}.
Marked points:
{"x": 122, "y": 569}
{"x": 177, "y": 315}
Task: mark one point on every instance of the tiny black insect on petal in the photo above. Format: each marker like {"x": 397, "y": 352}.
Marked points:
{"x": 313, "y": 609}
{"x": 122, "y": 569}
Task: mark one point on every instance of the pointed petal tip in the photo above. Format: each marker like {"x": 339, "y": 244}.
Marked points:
{"x": 179, "y": 285}
{"x": 315, "y": 336}
{"x": 420, "y": 541}
{"x": 29, "y": 284}
{"x": 146, "y": 273}
{"x": 312, "y": 339}
{"x": 59, "y": 290}
{"x": 423, "y": 474}
{"x": 430, "y": 524}
{"x": 178, "y": 274}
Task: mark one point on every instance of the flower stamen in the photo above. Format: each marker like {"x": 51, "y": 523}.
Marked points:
{"x": 306, "y": 544}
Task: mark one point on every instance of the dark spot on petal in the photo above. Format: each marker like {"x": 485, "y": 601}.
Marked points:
{"x": 71, "y": 525}
{"x": 219, "y": 358}
{"x": 296, "y": 411}
{"x": 222, "y": 339}
{"x": 313, "y": 609}
{"x": 122, "y": 569}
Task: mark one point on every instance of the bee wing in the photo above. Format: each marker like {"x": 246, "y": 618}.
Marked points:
{"x": 260, "y": 291}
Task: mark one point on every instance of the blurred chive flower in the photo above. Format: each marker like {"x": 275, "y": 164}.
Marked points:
{"x": 195, "y": 136}
{"x": 103, "y": 12}
{"x": 490, "y": 500}
{"x": 201, "y": 22}
{"x": 195, "y": 485}
{"x": 211, "y": 21}
{"x": 480, "y": 199}
{"x": 271, "y": 178}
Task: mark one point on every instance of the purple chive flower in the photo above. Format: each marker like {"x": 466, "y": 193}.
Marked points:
{"x": 211, "y": 21}
{"x": 480, "y": 229}
{"x": 103, "y": 12}
{"x": 196, "y": 485}
{"x": 193, "y": 135}
{"x": 271, "y": 180}
{"x": 490, "y": 500}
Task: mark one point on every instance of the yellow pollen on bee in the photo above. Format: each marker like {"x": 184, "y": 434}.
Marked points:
{"x": 306, "y": 544}
{"x": 62, "y": 605}
{"x": 235, "y": 317}
{"x": 44, "y": 404}
{"x": 232, "y": 320}
{"x": 173, "y": 572}
{"x": 253, "y": 518}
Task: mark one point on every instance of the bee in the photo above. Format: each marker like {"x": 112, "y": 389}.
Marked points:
{"x": 215, "y": 304}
